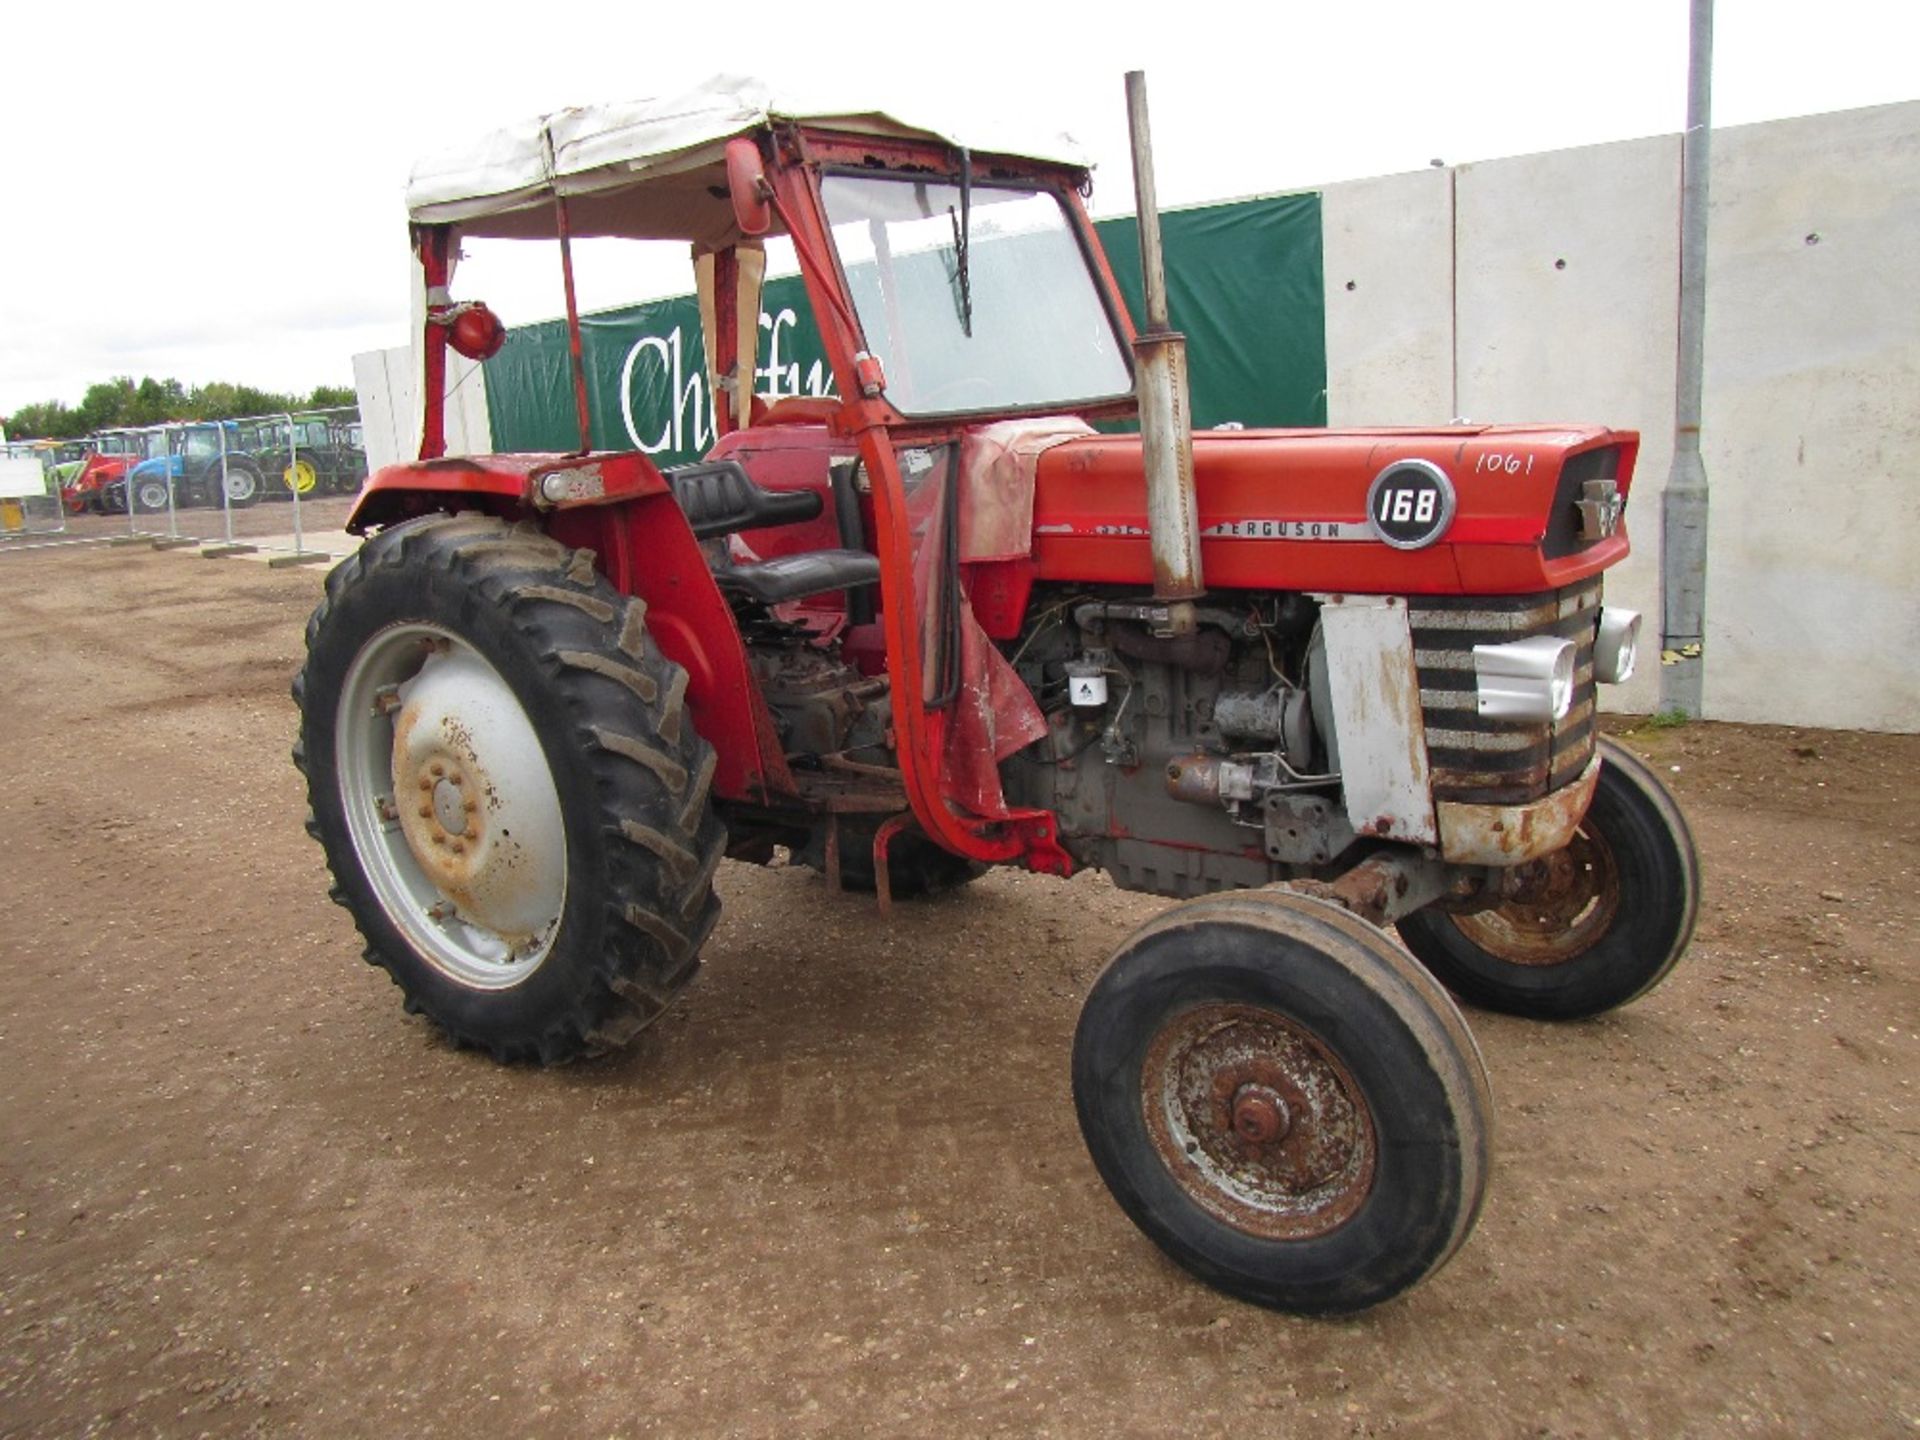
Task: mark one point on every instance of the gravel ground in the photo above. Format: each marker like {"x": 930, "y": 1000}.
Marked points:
{"x": 839, "y": 1188}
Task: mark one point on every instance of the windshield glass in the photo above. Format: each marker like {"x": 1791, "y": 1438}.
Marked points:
{"x": 1019, "y": 326}
{"x": 202, "y": 444}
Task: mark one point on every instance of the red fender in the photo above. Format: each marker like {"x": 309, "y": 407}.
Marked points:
{"x": 621, "y": 508}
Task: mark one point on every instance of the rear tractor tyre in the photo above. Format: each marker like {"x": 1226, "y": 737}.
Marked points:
{"x": 502, "y": 773}
{"x": 1601, "y": 922}
{"x": 1283, "y": 1101}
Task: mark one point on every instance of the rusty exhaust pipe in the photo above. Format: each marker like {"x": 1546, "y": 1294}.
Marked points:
{"x": 1160, "y": 380}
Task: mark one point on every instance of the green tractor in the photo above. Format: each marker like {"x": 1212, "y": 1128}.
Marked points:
{"x": 311, "y": 455}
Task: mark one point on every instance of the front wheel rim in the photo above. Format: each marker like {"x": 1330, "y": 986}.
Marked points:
{"x": 1567, "y": 902}
{"x": 1258, "y": 1122}
{"x": 451, "y": 806}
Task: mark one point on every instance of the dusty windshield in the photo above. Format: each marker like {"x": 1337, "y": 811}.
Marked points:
{"x": 987, "y": 305}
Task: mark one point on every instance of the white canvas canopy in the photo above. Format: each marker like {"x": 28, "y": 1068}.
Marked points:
{"x": 644, "y": 168}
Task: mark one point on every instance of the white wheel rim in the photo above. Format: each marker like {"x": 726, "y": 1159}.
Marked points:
{"x": 451, "y": 806}
{"x": 239, "y": 485}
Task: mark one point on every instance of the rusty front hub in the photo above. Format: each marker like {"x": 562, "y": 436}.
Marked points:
{"x": 1258, "y": 1121}
{"x": 1558, "y": 906}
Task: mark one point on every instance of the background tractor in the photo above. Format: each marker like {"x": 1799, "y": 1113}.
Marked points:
{"x": 197, "y": 464}
{"x": 1309, "y": 684}
{"x": 310, "y": 455}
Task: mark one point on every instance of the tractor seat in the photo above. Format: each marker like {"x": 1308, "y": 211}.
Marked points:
{"x": 794, "y": 577}
{"x": 720, "y": 498}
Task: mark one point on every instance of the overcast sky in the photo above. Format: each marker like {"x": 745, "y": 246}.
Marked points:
{"x": 214, "y": 192}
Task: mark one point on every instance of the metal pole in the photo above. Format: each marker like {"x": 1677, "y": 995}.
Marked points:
{"x": 1160, "y": 380}
{"x": 293, "y": 469}
{"x": 226, "y": 496}
{"x": 173, "y": 514}
{"x": 1683, "y": 533}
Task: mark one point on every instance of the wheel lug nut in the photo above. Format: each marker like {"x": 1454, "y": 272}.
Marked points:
{"x": 436, "y": 769}
{"x": 426, "y": 810}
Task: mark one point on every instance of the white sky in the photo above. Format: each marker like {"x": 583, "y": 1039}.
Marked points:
{"x": 213, "y": 192}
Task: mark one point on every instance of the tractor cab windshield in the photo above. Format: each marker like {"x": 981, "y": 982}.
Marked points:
{"x": 976, "y": 297}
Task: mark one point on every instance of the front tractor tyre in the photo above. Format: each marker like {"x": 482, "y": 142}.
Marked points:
{"x": 501, "y": 770}
{"x": 1592, "y": 926}
{"x": 1283, "y": 1101}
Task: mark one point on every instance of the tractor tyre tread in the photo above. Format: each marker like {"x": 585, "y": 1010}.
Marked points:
{"x": 616, "y": 976}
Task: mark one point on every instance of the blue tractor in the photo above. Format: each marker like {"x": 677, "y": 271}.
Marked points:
{"x": 196, "y": 468}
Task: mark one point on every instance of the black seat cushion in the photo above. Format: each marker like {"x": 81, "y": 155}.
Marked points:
{"x": 793, "y": 577}
{"x": 720, "y": 498}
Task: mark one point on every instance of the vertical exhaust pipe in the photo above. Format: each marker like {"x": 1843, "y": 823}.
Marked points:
{"x": 1160, "y": 380}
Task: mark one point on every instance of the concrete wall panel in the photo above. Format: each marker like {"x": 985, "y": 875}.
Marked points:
{"x": 1567, "y": 296}
{"x": 1558, "y": 301}
{"x": 1389, "y": 288}
{"x": 1813, "y": 421}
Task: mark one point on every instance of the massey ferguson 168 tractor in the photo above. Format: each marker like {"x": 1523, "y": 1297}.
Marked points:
{"x": 1310, "y": 684}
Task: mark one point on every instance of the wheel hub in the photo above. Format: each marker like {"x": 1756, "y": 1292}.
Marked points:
{"x": 1260, "y": 1115}
{"x": 1258, "y": 1121}
{"x": 468, "y": 848}
{"x": 1555, "y": 907}
{"x": 464, "y": 747}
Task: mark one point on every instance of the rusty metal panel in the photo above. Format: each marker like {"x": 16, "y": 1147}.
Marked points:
{"x": 1514, "y": 834}
{"x": 1375, "y": 694}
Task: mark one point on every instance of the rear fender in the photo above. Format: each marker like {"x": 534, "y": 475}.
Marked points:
{"x": 646, "y": 548}
{"x": 621, "y": 508}
{"x": 509, "y": 485}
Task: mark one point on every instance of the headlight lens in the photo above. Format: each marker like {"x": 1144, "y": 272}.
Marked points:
{"x": 1616, "y": 646}
{"x": 1526, "y": 681}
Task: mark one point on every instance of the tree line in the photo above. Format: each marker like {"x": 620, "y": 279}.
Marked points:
{"x": 123, "y": 403}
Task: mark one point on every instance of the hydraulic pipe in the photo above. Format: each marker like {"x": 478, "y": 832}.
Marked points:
{"x": 1160, "y": 380}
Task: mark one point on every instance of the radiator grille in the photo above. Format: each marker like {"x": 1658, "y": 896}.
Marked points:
{"x": 1488, "y": 762}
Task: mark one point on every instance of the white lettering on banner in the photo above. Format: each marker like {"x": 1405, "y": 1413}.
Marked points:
{"x": 673, "y": 432}
{"x": 784, "y": 380}
{"x": 689, "y": 426}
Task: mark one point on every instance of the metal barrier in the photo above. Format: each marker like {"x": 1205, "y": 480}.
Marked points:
{"x": 30, "y": 493}
{"x": 277, "y": 485}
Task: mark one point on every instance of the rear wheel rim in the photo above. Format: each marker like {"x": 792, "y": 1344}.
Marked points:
{"x": 451, "y": 806}
{"x": 1258, "y": 1122}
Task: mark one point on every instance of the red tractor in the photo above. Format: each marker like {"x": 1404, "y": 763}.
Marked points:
{"x": 1311, "y": 684}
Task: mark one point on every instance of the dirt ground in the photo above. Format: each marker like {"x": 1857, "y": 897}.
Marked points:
{"x": 839, "y": 1189}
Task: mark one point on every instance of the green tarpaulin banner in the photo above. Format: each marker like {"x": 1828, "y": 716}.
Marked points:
{"x": 1244, "y": 285}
